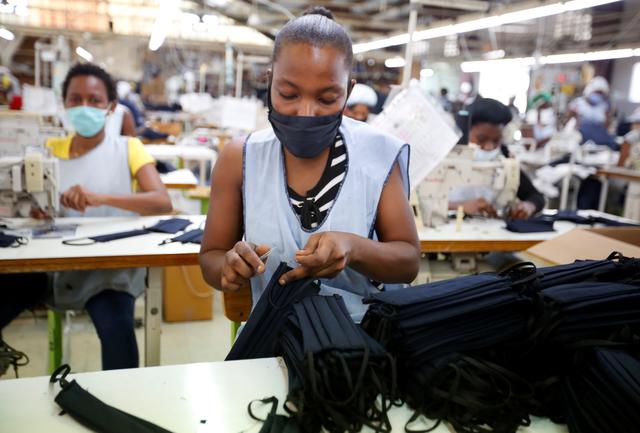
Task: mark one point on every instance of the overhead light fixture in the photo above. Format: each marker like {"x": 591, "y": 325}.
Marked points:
{"x": 454, "y": 28}
{"x": 84, "y": 54}
{"x": 552, "y": 59}
{"x": 6, "y": 34}
{"x": 394, "y": 62}
{"x": 493, "y": 55}
{"x": 426, "y": 73}
{"x": 166, "y": 11}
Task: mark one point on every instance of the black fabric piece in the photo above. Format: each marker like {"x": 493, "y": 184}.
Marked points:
{"x": 259, "y": 335}
{"x": 603, "y": 394}
{"x": 531, "y": 225}
{"x": 439, "y": 333}
{"x": 572, "y": 216}
{"x": 105, "y": 238}
{"x": 170, "y": 226}
{"x": 191, "y": 236}
{"x": 544, "y": 223}
{"x": 93, "y": 413}
{"x": 337, "y": 372}
{"x": 10, "y": 241}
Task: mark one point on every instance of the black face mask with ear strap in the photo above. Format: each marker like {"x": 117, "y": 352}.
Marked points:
{"x": 305, "y": 136}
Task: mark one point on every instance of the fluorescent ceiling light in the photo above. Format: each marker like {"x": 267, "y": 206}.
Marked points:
{"x": 84, "y": 54}
{"x": 493, "y": 55}
{"x": 514, "y": 16}
{"x": 166, "y": 11}
{"x": 6, "y": 34}
{"x": 394, "y": 62}
{"x": 553, "y": 59}
{"x": 426, "y": 73}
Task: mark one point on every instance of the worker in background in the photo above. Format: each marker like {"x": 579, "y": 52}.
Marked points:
{"x": 543, "y": 118}
{"x": 487, "y": 119}
{"x": 445, "y": 102}
{"x": 630, "y": 158}
{"x": 361, "y": 100}
{"x": 593, "y": 111}
{"x": 101, "y": 175}
{"x": 9, "y": 87}
{"x": 342, "y": 214}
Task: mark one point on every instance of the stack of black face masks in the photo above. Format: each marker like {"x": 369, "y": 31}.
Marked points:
{"x": 615, "y": 268}
{"x": 603, "y": 394}
{"x": 339, "y": 377}
{"x": 259, "y": 335}
{"x": 439, "y": 331}
{"x": 573, "y": 318}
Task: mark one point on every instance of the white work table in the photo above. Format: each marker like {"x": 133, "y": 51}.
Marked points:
{"x": 41, "y": 255}
{"x": 178, "y": 398}
{"x": 482, "y": 235}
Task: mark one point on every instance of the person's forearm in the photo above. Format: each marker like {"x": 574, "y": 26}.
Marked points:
{"x": 385, "y": 262}
{"x": 211, "y": 263}
{"x": 144, "y": 203}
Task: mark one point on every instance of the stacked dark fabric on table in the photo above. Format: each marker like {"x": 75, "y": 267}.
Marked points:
{"x": 485, "y": 351}
{"x": 336, "y": 371}
{"x": 603, "y": 395}
{"x": 259, "y": 335}
{"x": 437, "y": 330}
{"x": 482, "y": 352}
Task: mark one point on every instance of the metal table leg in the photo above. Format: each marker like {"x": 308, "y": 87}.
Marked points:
{"x": 604, "y": 191}
{"x": 153, "y": 317}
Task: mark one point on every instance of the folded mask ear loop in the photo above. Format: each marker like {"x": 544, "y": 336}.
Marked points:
{"x": 445, "y": 395}
{"x": 270, "y": 400}
{"x": 61, "y": 371}
{"x": 79, "y": 242}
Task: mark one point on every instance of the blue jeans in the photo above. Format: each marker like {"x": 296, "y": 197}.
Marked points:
{"x": 112, "y": 315}
{"x": 111, "y": 312}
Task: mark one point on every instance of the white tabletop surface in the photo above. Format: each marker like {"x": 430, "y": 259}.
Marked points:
{"x": 180, "y": 176}
{"x": 144, "y": 245}
{"x": 169, "y": 151}
{"x": 175, "y": 397}
{"x": 486, "y": 229}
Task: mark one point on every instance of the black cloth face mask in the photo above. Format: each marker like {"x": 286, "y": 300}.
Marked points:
{"x": 304, "y": 136}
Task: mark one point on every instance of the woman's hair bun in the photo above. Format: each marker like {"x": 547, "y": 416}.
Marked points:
{"x": 319, "y": 10}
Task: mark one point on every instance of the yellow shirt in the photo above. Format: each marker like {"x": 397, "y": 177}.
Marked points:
{"x": 138, "y": 155}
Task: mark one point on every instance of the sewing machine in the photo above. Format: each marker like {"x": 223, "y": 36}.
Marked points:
{"x": 27, "y": 182}
{"x": 28, "y": 174}
{"x": 459, "y": 169}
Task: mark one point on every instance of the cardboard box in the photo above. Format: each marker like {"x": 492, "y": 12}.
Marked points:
{"x": 186, "y": 295}
{"x": 587, "y": 244}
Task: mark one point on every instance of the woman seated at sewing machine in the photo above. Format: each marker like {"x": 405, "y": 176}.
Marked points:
{"x": 487, "y": 119}
{"x": 102, "y": 174}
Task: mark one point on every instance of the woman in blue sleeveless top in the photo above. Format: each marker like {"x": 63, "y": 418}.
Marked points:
{"x": 328, "y": 194}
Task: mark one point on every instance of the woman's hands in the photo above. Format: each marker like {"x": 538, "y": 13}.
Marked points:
{"x": 79, "y": 198}
{"x": 240, "y": 264}
{"x": 325, "y": 256}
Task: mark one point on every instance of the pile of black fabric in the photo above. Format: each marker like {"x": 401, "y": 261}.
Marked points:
{"x": 259, "y": 335}
{"x": 603, "y": 394}
{"x": 439, "y": 331}
{"x": 483, "y": 352}
{"x": 579, "y": 306}
{"x": 340, "y": 378}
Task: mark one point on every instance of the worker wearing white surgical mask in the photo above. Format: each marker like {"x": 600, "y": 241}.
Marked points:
{"x": 488, "y": 118}
{"x": 543, "y": 118}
